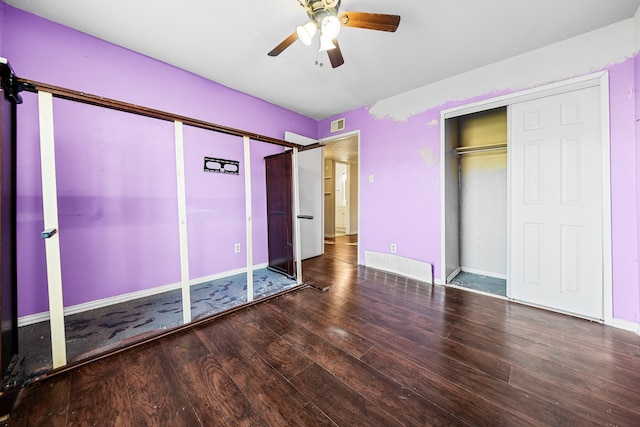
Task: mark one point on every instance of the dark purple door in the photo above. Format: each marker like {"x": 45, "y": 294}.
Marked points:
{"x": 280, "y": 213}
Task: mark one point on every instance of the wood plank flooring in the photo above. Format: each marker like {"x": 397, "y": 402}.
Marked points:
{"x": 374, "y": 350}
{"x": 342, "y": 247}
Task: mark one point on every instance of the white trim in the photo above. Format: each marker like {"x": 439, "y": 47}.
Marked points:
{"x": 50, "y": 215}
{"x": 297, "y": 256}
{"x": 451, "y": 276}
{"x": 509, "y": 189}
{"x": 360, "y": 181}
{"x": 600, "y": 79}
{"x": 182, "y": 223}
{"x": 249, "y": 223}
{"x": 477, "y": 291}
{"x": 607, "y": 260}
{"x": 105, "y": 302}
{"x": 626, "y": 325}
{"x": 443, "y": 193}
{"x": 483, "y": 273}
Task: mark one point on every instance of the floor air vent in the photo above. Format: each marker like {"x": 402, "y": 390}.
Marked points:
{"x": 406, "y": 267}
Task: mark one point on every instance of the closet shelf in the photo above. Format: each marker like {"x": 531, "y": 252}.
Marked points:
{"x": 480, "y": 148}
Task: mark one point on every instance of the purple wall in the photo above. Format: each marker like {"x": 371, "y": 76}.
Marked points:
{"x": 624, "y": 213}
{"x": 116, "y": 172}
{"x": 637, "y": 144}
{"x": 403, "y": 203}
{"x": 117, "y": 191}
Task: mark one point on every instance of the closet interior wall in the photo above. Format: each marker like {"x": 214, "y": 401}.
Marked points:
{"x": 483, "y": 192}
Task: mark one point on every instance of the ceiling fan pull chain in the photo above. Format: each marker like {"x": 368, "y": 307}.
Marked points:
{"x": 319, "y": 62}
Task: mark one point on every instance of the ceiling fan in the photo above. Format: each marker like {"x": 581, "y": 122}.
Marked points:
{"x": 325, "y": 18}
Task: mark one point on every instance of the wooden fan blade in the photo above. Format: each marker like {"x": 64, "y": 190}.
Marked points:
{"x": 335, "y": 55}
{"x": 284, "y": 44}
{"x": 370, "y": 21}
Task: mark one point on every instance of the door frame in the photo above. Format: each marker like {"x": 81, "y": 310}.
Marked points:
{"x": 600, "y": 79}
{"x": 329, "y": 139}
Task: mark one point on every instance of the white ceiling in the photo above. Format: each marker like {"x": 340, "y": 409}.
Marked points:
{"x": 228, "y": 41}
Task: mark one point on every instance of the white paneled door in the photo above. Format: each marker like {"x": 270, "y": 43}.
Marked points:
{"x": 556, "y": 203}
{"x": 310, "y": 196}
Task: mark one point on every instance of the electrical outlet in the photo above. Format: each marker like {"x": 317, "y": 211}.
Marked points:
{"x": 237, "y": 248}
{"x": 394, "y": 248}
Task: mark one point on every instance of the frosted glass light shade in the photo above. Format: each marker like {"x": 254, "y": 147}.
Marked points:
{"x": 330, "y": 26}
{"x": 306, "y": 32}
{"x": 326, "y": 44}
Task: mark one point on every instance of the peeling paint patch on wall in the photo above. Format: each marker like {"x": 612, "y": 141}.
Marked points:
{"x": 429, "y": 156}
{"x": 573, "y": 57}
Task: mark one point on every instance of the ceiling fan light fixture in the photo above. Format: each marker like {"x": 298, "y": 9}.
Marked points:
{"x": 306, "y": 32}
{"x": 330, "y": 26}
{"x": 325, "y": 17}
{"x": 326, "y": 43}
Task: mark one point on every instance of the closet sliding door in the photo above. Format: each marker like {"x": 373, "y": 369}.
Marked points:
{"x": 556, "y": 203}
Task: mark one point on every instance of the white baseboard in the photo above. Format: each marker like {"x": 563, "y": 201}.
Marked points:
{"x": 105, "y": 302}
{"x": 406, "y": 267}
{"x": 626, "y": 325}
{"x": 483, "y": 273}
{"x": 453, "y": 274}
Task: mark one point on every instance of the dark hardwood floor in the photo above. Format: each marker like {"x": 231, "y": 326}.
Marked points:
{"x": 374, "y": 350}
{"x": 342, "y": 247}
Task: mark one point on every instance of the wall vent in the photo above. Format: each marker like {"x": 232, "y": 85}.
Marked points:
{"x": 338, "y": 125}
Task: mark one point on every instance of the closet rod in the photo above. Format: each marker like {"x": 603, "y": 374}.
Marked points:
{"x": 99, "y": 101}
{"x": 480, "y": 148}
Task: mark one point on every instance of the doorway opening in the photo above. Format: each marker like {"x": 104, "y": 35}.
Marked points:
{"x": 480, "y": 141}
{"x": 341, "y": 197}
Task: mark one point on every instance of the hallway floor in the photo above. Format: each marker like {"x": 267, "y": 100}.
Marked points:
{"x": 343, "y": 247}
